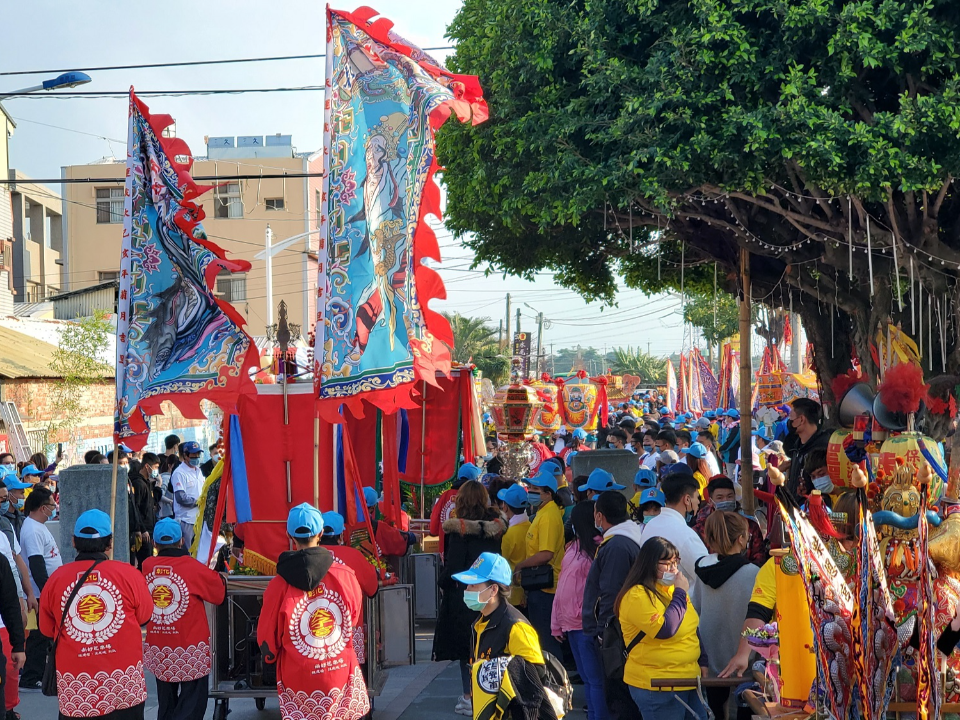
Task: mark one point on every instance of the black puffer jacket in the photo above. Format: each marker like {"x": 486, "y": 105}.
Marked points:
{"x": 464, "y": 541}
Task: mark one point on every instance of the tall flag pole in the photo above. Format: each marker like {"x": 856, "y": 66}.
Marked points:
{"x": 175, "y": 340}
{"x": 376, "y": 336}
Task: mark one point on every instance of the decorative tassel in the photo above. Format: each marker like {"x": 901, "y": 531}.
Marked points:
{"x": 817, "y": 513}
{"x": 913, "y": 301}
{"x": 896, "y": 270}
{"x": 920, "y": 317}
{"x": 258, "y": 562}
{"x": 869, "y": 257}
{"x": 850, "y": 233}
{"x": 930, "y": 332}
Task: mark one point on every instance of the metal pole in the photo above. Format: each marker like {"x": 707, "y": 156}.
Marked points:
{"x": 423, "y": 447}
{"x": 509, "y": 336}
{"x": 113, "y": 494}
{"x": 269, "y": 272}
{"x": 746, "y": 375}
{"x": 316, "y": 460}
{"x": 539, "y": 343}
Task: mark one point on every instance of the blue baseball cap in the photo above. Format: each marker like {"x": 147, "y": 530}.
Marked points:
{"x": 12, "y": 483}
{"x": 190, "y": 448}
{"x": 696, "y": 450}
{"x": 487, "y": 418}
{"x": 710, "y": 414}
{"x": 304, "y": 521}
{"x": 544, "y": 478}
{"x": 487, "y": 567}
{"x": 645, "y": 478}
{"x": 167, "y": 532}
{"x": 762, "y": 434}
{"x": 652, "y": 494}
{"x": 30, "y": 470}
{"x": 515, "y": 496}
{"x": 332, "y": 523}
{"x": 92, "y": 524}
{"x": 468, "y": 471}
{"x": 553, "y": 465}
{"x": 125, "y": 448}
{"x": 733, "y": 413}
{"x": 680, "y": 468}
{"x": 370, "y": 497}
{"x": 580, "y": 434}
{"x": 662, "y": 410}
{"x": 600, "y": 480}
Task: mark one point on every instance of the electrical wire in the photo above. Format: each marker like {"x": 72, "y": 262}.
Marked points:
{"x": 66, "y": 94}
{"x": 189, "y": 63}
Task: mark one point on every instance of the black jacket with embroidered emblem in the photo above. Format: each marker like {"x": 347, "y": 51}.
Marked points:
{"x": 494, "y": 640}
{"x": 465, "y": 540}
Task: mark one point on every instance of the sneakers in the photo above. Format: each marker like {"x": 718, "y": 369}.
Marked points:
{"x": 30, "y": 686}
{"x": 464, "y": 706}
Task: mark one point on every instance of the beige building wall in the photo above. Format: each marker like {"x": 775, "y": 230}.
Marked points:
{"x": 92, "y": 250}
{"x": 6, "y": 217}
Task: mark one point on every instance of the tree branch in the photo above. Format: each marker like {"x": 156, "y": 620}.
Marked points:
{"x": 935, "y": 211}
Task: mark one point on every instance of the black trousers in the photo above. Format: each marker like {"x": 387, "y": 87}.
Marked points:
{"x": 620, "y": 704}
{"x": 37, "y": 646}
{"x": 182, "y": 701}
{"x": 130, "y": 713}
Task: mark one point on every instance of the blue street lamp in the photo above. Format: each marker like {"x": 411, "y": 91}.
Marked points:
{"x": 67, "y": 80}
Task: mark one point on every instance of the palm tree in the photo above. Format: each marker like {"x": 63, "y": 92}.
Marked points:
{"x": 474, "y": 341}
{"x": 650, "y": 369}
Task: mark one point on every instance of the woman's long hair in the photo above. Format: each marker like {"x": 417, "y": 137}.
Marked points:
{"x": 644, "y": 570}
{"x": 722, "y": 530}
{"x": 582, "y": 528}
{"x": 698, "y": 465}
{"x": 472, "y": 502}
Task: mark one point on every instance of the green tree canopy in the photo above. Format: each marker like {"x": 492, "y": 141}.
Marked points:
{"x": 630, "y": 361}
{"x": 718, "y": 318}
{"x": 474, "y": 341}
{"x": 652, "y": 139}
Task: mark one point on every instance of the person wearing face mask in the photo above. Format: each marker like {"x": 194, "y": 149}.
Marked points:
{"x": 514, "y": 501}
{"x": 187, "y": 482}
{"x": 804, "y": 421}
{"x": 491, "y": 461}
{"x": 474, "y": 528}
{"x": 650, "y": 504}
{"x": 722, "y": 496}
{"x": 208, "y": 465}
{"x": 616, "y": 554}
{"x": 617, "y": 439}
{"x": 643, "y": 479}
{"x": 681, "y": 493}
{"x": 654, "y": 602}
{"x": 8, "y": 463}
{"x": 143, "y": 480}
{"x": 721, "y": 597}
{"x": 43, "y": 558}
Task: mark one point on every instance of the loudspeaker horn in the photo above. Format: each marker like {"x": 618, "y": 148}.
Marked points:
{"x": 858, "y": 400}
{"x": 893, "y": 421}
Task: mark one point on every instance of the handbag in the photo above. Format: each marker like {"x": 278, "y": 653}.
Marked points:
{"x": 614, "y": 651}
{"x": 48, "y": 685}
{"x": 539, "y": 577}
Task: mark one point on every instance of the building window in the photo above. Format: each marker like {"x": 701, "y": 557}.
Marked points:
{"x": 317, "y": 202}
{"x": 229, "y": 204}
{"x": 109, "y": 205}
{"x": 108, "y": 275}
{"x": 274, "y": 203}
{"x": 52, "y": 291}
{"x": 232, "y": 288}
{"x": 33, "y": 292}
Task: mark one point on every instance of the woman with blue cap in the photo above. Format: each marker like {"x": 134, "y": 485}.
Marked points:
{"x": 93, "y": 609}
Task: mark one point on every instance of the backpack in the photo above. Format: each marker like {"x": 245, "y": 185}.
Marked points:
{"x": 557, "y": 683}
{"x": 614, "y": 651}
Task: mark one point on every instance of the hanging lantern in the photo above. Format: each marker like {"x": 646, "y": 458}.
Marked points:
{"x": 514, "y": 409}
{"x": 580, "y": 403}
{"x": 838, "y": 464}
{"x": 907, "y": 447}
{"x": 547, "y": 419}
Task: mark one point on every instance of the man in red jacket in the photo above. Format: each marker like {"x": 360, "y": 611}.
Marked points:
{"x": 177, "y": 647}
{"x": 99, "y": 647}
{"x": 310, "y": 610}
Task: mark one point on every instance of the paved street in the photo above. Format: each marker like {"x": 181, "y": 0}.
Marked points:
{"x": 425, "y": 691}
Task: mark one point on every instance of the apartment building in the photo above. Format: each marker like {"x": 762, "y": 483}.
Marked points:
{"x": 7, "y": 126}
{"x": 37, "y": 239}
{"x": 238, "y": 212}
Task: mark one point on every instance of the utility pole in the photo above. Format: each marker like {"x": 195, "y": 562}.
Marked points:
{"x": 746, "y": 387}
{"x": 518, "y": 319}
{"x": 648, "y": 347}
{"x": 500, "y": 335}
{"x": 539, "y": 343}
{"x": 269, "y": 273}
{"x": 553, "y": 361}
{"x": 509, "y": 336}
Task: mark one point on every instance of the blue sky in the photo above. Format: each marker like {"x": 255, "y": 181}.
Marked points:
{"x": 54, "y": 34}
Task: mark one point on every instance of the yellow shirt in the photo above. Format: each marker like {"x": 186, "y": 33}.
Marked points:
{"x": 653, "y": 658}
{"x": 546, "y": 533}
{"x": 765, "y": 586}
{"x": 702, "y": 482}
{"x": 523, "y": 641}
{"x": 514, "y": 548}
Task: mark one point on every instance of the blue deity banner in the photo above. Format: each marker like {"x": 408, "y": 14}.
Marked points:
{"x": 175, "y": 340}
{"x": 385, "y": 98}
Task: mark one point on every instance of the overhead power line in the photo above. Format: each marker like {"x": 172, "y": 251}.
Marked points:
{"x": 82, "y": 181}
{"x": 157, "y": 93}
{"x": 191, "y": 63}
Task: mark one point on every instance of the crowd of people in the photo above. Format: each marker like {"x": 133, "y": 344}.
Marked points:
{"x": 668, "y": 572}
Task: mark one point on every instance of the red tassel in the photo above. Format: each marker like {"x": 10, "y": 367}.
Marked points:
{"x": 817, "y": 512}
{"x": 903, "y": 388}
{"x": 842, "y": 383}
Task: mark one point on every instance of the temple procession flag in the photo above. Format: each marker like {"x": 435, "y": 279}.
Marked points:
{"x": 709, "y": 387}
{"x": 671, "y": 387}
{"x": 175, "y": 340}
{"x": 385, "y": 98}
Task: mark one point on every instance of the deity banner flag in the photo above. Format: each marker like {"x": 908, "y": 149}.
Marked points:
{"x": 671, "y": 387}
{"x": 385, "y": 99}
{"x": 708, "y": 383}
{"x": 175, "y": 340}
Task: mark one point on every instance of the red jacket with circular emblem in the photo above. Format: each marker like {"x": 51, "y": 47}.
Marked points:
{"x": 177, "y": 647}
{"x": 99, "y": 651}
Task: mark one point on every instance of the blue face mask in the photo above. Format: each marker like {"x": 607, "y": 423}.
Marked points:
{"x": 471, "y": 598}
{"x": 20, "y": 503}
{"x": 194, "y": 462}
{"x": 726, "y": 505}
{"x": 5, "y": 506}
{"x": 533, "y": 497}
